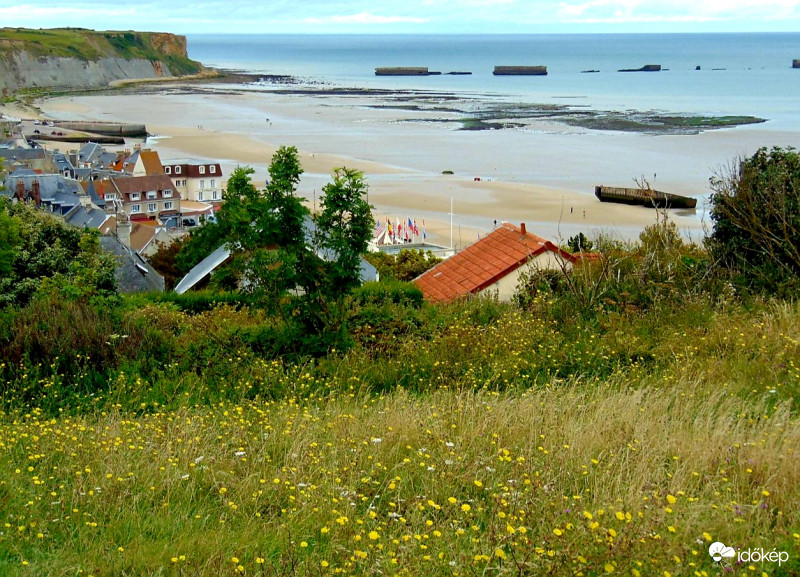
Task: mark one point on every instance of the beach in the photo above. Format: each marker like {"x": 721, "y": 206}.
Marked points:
{"x": 543, "y": 173}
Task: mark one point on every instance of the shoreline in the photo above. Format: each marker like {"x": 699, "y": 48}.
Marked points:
{"x": 543, "y": 175}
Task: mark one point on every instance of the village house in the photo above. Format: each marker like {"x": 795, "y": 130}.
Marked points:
{"x": 492, "y": 265}
{"x": 142, "y": 197}
{"x": 147, "y": 163}
{"x": 35, "y": 159}
{"x": 57, "y": 194}
{"x": 196, "y": 181}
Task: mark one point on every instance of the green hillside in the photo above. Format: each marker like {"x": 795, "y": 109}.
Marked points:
{"x": 92, "y": 45}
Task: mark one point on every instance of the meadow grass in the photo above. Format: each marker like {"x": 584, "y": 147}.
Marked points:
{"x": 493, "y": 442}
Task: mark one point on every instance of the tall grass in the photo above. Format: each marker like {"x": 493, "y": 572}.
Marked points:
{"x": 567, "y": 478}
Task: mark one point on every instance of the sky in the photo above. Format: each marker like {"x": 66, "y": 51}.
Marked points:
{"x": 408, "y": 16}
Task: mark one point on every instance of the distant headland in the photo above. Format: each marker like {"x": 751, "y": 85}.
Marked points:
{"x": 77, "y": 58}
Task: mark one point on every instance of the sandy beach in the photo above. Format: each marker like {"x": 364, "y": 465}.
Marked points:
{"x": 543, "y": 174}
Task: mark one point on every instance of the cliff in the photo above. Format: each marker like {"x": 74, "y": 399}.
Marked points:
{"x": 70, "y": 58}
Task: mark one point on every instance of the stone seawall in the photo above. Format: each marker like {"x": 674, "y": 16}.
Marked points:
{"x": 106, "y": 128}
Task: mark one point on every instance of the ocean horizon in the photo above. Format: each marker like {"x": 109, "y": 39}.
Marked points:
{"x": 715, "y": 74}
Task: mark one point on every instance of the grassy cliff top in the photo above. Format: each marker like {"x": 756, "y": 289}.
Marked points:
{"x": 88, "y": 45}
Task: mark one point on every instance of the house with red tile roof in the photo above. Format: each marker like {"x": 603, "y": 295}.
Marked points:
{"x": 492, "y": 265}
{"x": 148, "y": 163}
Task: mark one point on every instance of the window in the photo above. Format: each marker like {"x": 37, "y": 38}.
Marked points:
{"x": 214, "y": 195}
{"x": 177, "y": 170}
{"x": 135, "y": 196}
{"x": 202, "y": 184}
{"x": 151, "y": 194}
{"x": 202, "y": 170}
{"x": 213, "y": 183}
{"x": 151, "y": 207}
{"x": 168, "y": 205}
{"x": 168, "y": 169}
{"x": 213, "y": 170}
{"x": 200, "y": 195}
{"x": 136, "y": 208}
{"x": 166, "y": 194}
{"x": 111, "y": 196}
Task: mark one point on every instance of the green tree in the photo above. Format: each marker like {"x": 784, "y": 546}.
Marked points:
{"x": 9, "y": 240}
{"x": 42, "y": 248}
{"x": 328, "y": 276}
{"x": 344, "y": 227}
{"x": 755, "y": 207}
{"x": 404, "y": 266}
{"x": 264, "y": 230}
{"x": 164, "y": 260}
{"x": 579, "y": 243}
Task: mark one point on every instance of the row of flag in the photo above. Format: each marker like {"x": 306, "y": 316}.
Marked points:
{"x": 399, "y": 231}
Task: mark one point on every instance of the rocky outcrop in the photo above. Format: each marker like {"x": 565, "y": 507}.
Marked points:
{"x": 39, "y": 59}
{"x": 24, "y": 71}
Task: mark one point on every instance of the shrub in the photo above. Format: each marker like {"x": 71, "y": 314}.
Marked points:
{"x": 755, "y": 207}
{"x": 406, "y": 265}
{"x": 393, "y": 291}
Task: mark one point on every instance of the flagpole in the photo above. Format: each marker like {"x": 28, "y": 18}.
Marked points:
{"x": 451, "y": 222}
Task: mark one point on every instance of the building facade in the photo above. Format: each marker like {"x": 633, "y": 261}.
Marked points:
{"x": 196, "y": 181}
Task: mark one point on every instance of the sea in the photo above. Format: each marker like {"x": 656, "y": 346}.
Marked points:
{"x": 702, "y": 74}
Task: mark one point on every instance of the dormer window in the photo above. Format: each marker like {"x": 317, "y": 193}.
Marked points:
{"x": 168, "y": 169}
{"x": 151, "y": 194}
{"x": 135, "y": 196}
{"x": 177, "y": 170}
{"x": 202, "y": 170}
{"x": 166, "y": 194}
{"x": 212, "y": 169}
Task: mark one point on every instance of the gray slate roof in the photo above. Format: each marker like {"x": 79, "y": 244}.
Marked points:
{"x": 23, "y": 153}
{"x": 89, "y": 152}
{"x": 86, "y": 216}
{"x": 58, "y": 193}
{"x": 133, "y": 273}
{"x": 96, "y": 198}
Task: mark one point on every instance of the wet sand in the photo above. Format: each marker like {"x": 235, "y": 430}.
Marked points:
{"x": 543, "y": 174}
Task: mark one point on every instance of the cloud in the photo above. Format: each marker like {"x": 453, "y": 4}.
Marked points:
{"x": 673, "y": 11}
{"x": 365, "y": 18}
{"x": 270, "y": 16}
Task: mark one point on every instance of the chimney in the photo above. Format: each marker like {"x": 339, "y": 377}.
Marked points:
{"x": 20, "y": 192}
{"x": 522, "y": 228}
{"x": 124, "y": 229}
{"x": 85, "y": 201}
{"x": 37, "y": 196}
{"x": 137, "y": 147}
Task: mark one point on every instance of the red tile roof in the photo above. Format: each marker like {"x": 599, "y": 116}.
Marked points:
{"x": 483, "y": 263}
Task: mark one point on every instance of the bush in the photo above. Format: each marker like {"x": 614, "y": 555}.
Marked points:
{"x": 755, "y": 207}
{"x": 393, "y": 291}
{"x": 406, "y": 265}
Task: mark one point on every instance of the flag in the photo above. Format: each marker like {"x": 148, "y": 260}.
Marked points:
{"x": 399, "y": 228}
{"x": 378, "y": 228}
{"x": 410, "y": 226}
{"x": 416, "y": 230}
{"x": 408, "y": 230}
{"x": 389, "y": 228}
{"x": 424, "y": 236}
